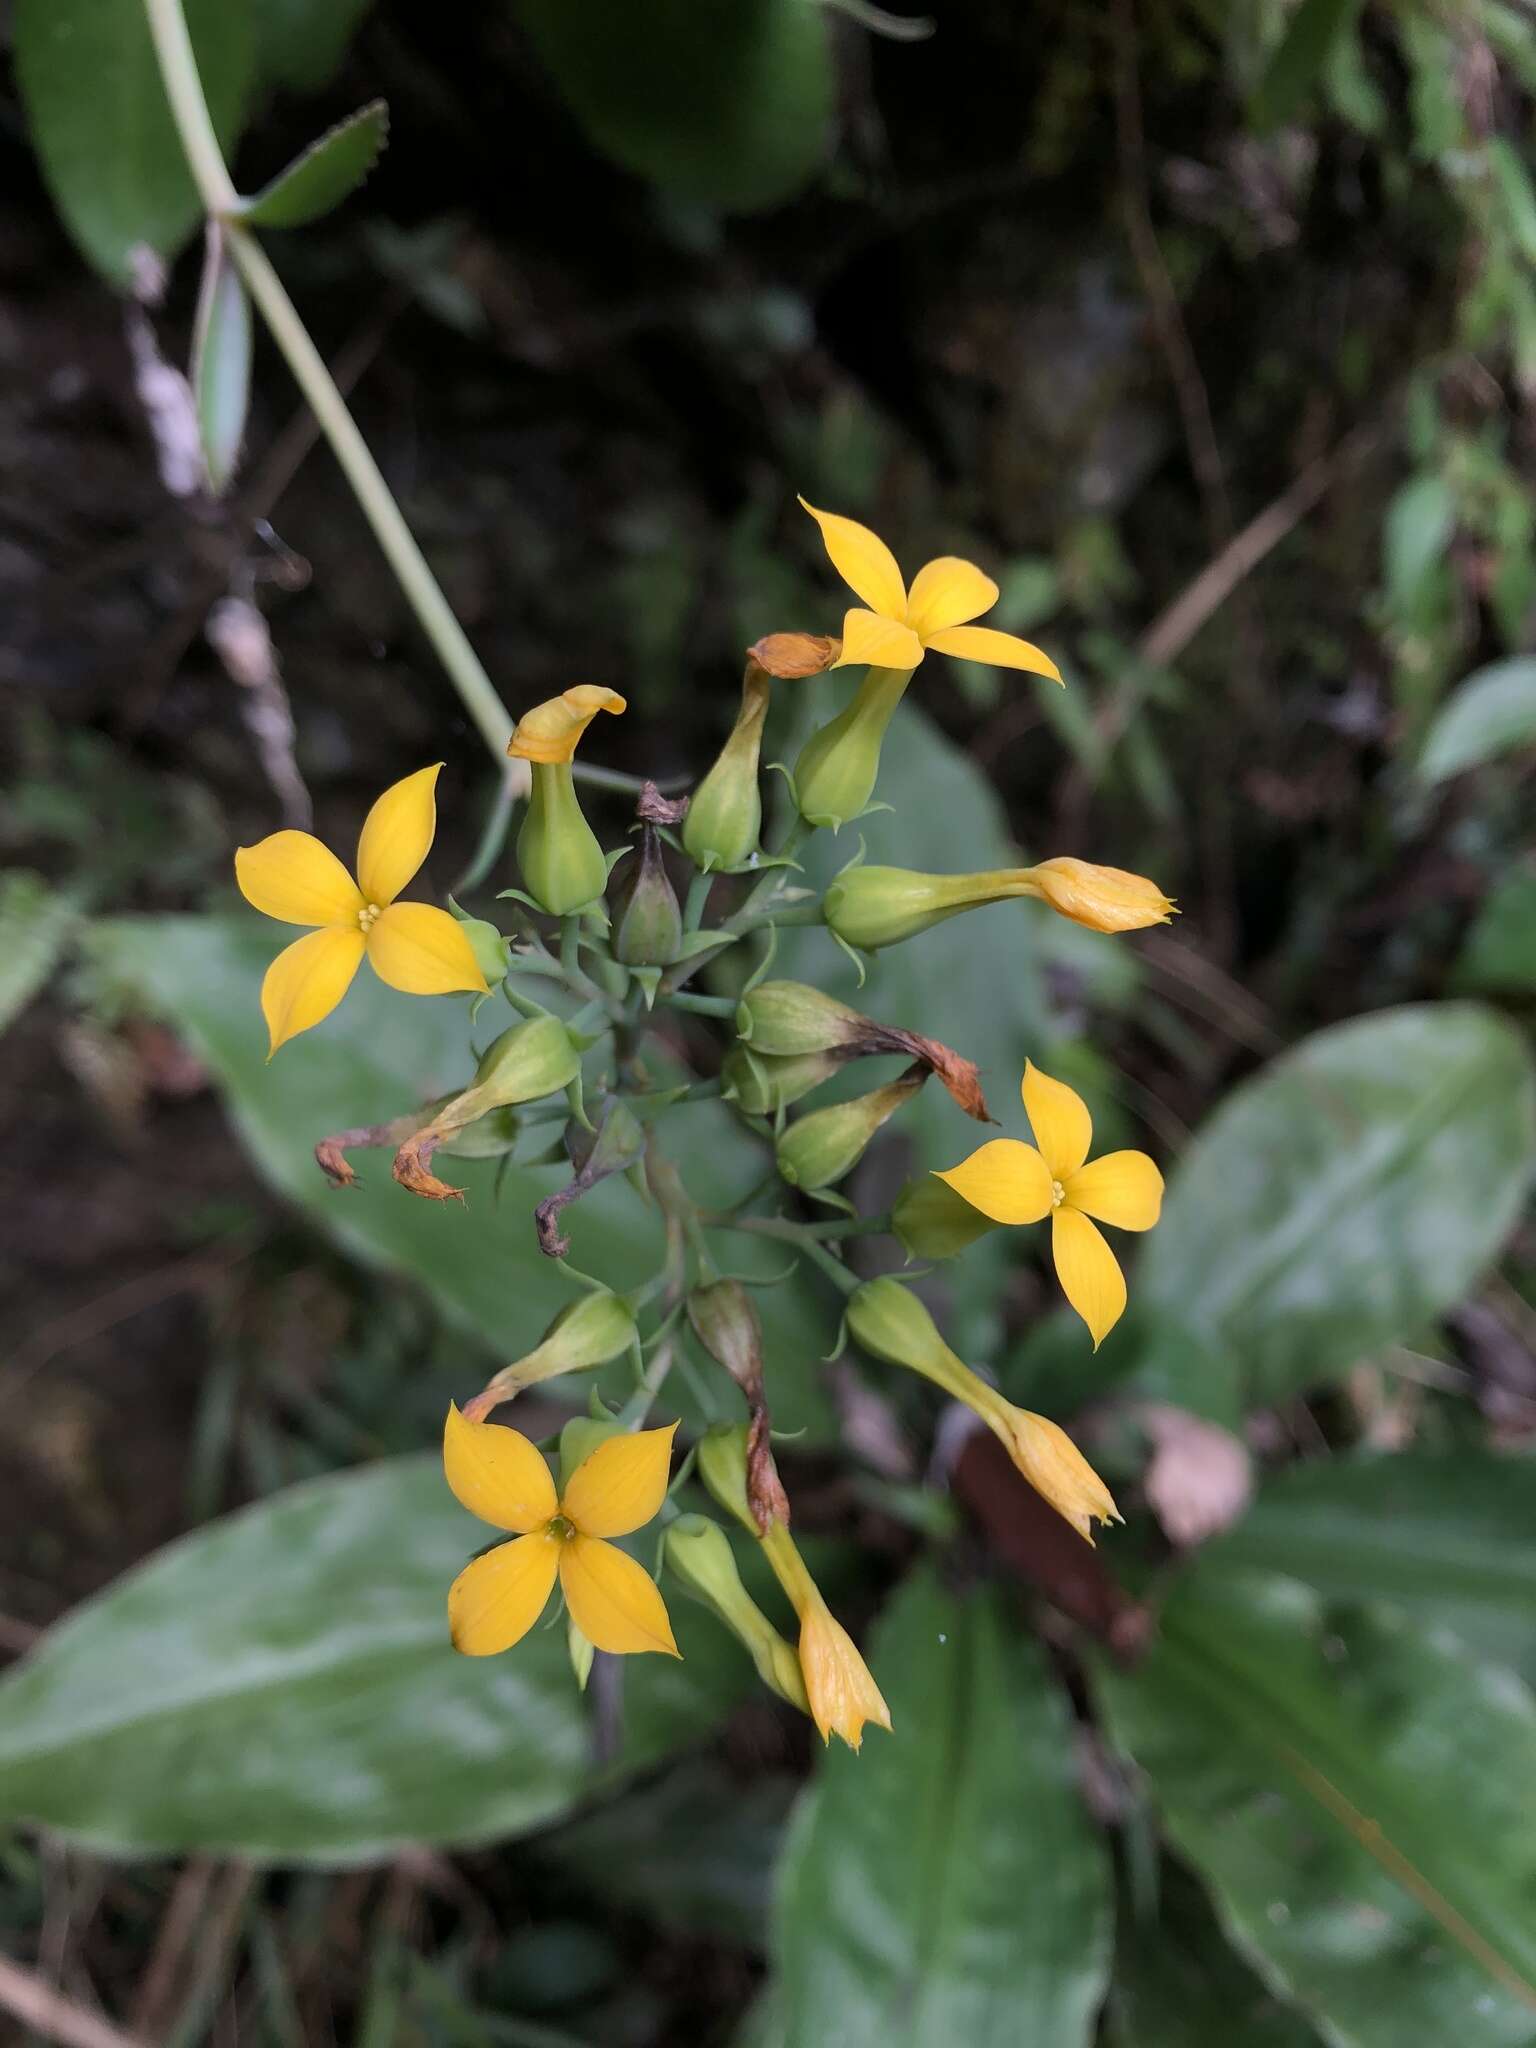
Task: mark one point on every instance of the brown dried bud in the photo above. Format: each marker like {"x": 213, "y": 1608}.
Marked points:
{"x": 791, "y": 656}
{"x": 655, "y": 809}
{"x": 727, "y": 1325}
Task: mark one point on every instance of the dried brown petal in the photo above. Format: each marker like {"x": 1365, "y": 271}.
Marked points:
{"x": 793, "y": 655}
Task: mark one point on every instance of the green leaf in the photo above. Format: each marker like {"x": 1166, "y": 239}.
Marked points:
{"x": 1418, "y": 526}
{"x": 1361, "y": 1798}
{"x": 103, "y": 128}
{"x": 280, "y": 1685}
{"x": 301, "y": 42}
{"x": 380, "y": 1054}
{"x": 946, "y": 1884}
{"x": 1448, "y": 1536}
{"x": 221, "y": 361}
{"x": 37, "y": 922}
{"x": 1177, "y": 1984}
{"x": 724, "y": 101}
{"x": 1499, "y": 954}
{"x": 329, "y": 171}
{"x": 1294, "y": 70}
{"x": 1491, "y": 713}
{"x": 1347, "y": 1195}
{"x": 1514, "y": 183}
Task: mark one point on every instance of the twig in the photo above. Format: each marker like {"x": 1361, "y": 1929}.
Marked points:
{"x": 57, "y": 2018}
{"x": 154, "y": 2001}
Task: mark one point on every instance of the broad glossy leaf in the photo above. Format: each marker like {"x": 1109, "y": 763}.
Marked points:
{"x": 1347, "y": 1195}
{"x": 103, "y": 130}
{"x": 1359, "y": 1795}
{"x": 1491, "y": 713}
{"x": 221, "y": 362}
{"x": 376, "y": 1057}
{"x": 946, "y": 1884}
{"x": 1178, "y": 1984}
{"x": 328, "y": 172}
{"x": 725, "y": 101}
{"x": 1500, "y": 950}
{"x": 1448, "y": 1536}
{"x": 280, "y": 1685}
{"x": 301, "y": 42}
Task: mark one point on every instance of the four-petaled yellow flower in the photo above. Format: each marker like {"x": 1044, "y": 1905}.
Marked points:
{"x": 412, "y": 946}
{"x": 901, "y": 625}
{"x": 1013, "y": 1183}
{"x": 617, "y": 1488}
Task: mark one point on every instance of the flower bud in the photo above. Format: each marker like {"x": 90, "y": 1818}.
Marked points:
{"x": 580, "y": 1437}
{"x": 762, "y": 1085}
{"x": 839, "y": 1687}
{"x": 725, "y": 812}
{"x": 647, "y": 922}
{"x": 785, "y": 1017}
{"x": 581, "y": 1651}
{"x": 584, "y": 1334}
{"x": 534, "y": 1058}
{"x": 723, "y": 1468}
{"x": 561, "y": 861}
{"x": 836, "y": 772}
{"x": 871, "y": 907}
{"x": 1104, "y": 899}
{"x": 891, "y": 1323}
{"x": 819, "y": 1149}
{"x": 726, "y": 1324}
{"x": 492, "y": 953}
{"x": 698, "y": 1554}
{"x": 933, "y": 1222}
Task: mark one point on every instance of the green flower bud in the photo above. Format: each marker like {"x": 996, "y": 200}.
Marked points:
{"x": 933, "y": 1222}
{"x": 835, "y": 774}
{"x": 723, "y": 1469}
{"x": 492, "y": 953}
{"x": 727, "y": 1325}
{"x": 725, "y": 812}
{"x": 871, "y": 907}
{"x": 888, "y": 1320}
{"x": 819, "y": 1149}
{"x": 561, "y": 861}
{"x": 699, "y": 1556}
{"x": 586, "y": 1333}
{"x": 534, "y": 1058}
{"x": 785, "y": 1017}
{"x": 761, "y": 1085}
{"x": 647, "y": 922}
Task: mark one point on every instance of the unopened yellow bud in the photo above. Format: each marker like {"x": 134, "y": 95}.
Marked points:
{"x": 839, "y": 1686}
{"x": 548, "y": 733}
{"x": 1055, "y": 1467}
{"x": 933, "y": 1222}
{"x": 1104, "y": 899}
{"x": 838, "y": 766}
{"x": 819, "y": 1149}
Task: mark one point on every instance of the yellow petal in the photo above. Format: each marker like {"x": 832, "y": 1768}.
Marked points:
{"x": 1089, "y": 1272}
{"x": 1103, "y": 899}
{"x": 882, "y": 642}
{"x": 998, "y": 650}
{"x": 838, "y": 1683}
{"x": 621, "y": 1485}
{"x": 863, "y": 561}
{"x": 418, "y": 948}
{"x": 397, "y": 835}
{"x": 947, "y": 592}
{"x": 1005, "y": 1179}
{"x": 613, "y": 1600}
{"x": 549, "y": 732}
{"x": 1059, "y": 1118}
{"x": 307, "y": 980}
{"x": 1058, "y": 1471}
{"x": 292, "y": 877}
{"x": 497, "y": 1474}
{"x": 1123, "y": 1188}
{"x": 496, "y": 1600}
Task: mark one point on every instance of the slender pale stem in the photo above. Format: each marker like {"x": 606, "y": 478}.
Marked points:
{"x": 698, "y": 897}
{"x": 799, "y": 1235}
{"x": 194, "y": 124}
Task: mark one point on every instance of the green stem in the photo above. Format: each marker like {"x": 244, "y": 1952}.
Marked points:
{"x": 205, "y": 160}
{"x": 493, "y": 838}
{"x": 706, "y": 1006}
{"x": 698, "y": 897}
{"x": 799, "y": 1235}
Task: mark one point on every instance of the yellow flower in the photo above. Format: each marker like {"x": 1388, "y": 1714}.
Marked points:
{"x": 1013, "y": 1183}
{"x": 1054, "y": 1466}
{"x": 412, "y": 946}
{"x": 838, "y": 1683}
{"x": 549, "y": 732}
{"x": 900, "y": 626}
{"x": 1103, "y": 899}
{"x": 617, "y": 1488}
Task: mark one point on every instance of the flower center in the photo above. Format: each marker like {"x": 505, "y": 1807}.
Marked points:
{"x": 368, "y": 917}
{"x": 1058, "y": 1194}
{"x": 561, "y": 1529}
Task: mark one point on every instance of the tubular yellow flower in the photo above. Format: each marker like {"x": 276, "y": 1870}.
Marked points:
{"x": 1014, "y": 1183}
{"x": 412, "y": 946}
{"x": 1104, "y": 899}
{"x": 891, "y": 1323}
{"x": 900, "y": 625}
{"x": 557, "y": 850}
{"x": 617, "y": 1488}
{"x": 871, "y": 907}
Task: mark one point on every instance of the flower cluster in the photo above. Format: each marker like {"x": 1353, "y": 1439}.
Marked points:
{"x": 588, "y": 990}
